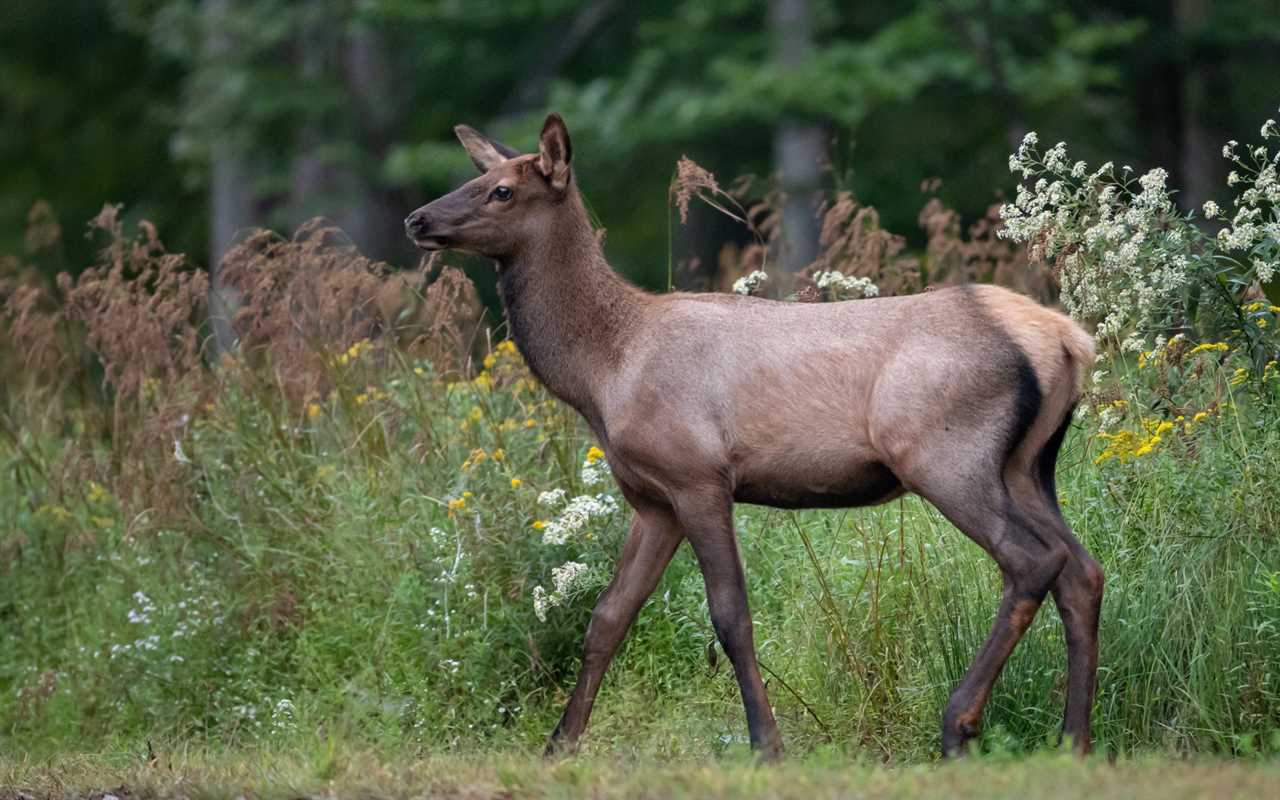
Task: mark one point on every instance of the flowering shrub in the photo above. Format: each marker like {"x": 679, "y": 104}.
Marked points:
{"x": 1197, "y": 312}
{"x": 1137, "y": 268}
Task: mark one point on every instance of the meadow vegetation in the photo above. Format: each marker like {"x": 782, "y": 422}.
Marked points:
{"x": 369, "y": 528}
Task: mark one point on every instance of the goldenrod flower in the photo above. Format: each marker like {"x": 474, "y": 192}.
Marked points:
{"x": 1206, "y": 346}
{"x": 499, "y": 454}
{"x": 515, "y": 483}
{"x": 457, "y": 505}
{"x": 529, "y": 423}
{"x": 539, "y": 524}
{"x": 313, "y": 410}
{"x": 490, "y": 360}
{"x": 594, "y": 455}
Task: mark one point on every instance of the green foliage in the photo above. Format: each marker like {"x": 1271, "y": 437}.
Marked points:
{"x": 128, "y": 100}
{"x": 365, "y": 565}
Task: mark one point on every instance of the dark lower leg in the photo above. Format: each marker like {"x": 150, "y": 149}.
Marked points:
{"x": 1078, "y": 594}
{"x": 962, "y": 717}
{"x": 651, "y": 543}
{"x": 726, "y": 583}
{"x": 1028, "y": 572}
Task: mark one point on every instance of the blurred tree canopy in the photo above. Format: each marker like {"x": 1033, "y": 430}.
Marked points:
{"x": 209, "y": 116}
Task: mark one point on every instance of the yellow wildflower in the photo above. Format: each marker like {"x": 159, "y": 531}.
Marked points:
{"x": 594, "y": 455}
{"x": 1200, "y": 416}
{"x": 490, "y": 360}
{"x": 539, "y": 524}
{"x": 529, "y": 423}
{"x": 313, "y": 410}
{"x": 97, "y": 493}
{"x": 499, "y": 454}
{"x": 506, "y": 346}
{"x": 1206, "y": 346}
{"x": 515, "y": 483}
{"x": 1241, "y": 375}
{"x": 467, "y": 494}
{"x": 1252, "y": 307}
{"x": 475, "y": 414}
{"x": 419, "y": 371}
{"x": 361, "y": 399}
{"x": 456, "y": 505}
{"x": 483, "y": 382}
{"x": 477, "y": 456}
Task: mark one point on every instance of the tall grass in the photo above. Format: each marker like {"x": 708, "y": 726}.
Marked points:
{"x": 337, "y": 536}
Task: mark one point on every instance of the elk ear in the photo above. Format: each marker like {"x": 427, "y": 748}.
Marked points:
{"x": 554, "y": 152}
{"x": 485, "y": 152}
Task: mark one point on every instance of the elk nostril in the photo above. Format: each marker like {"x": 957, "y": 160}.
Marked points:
{"x": 416, "y": 224}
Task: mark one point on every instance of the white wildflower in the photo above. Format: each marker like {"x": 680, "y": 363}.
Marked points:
{"x": 541, "y": 602}
{"x": 552, "y": 498}
{"x": 565, "y": 576}
{"x": 749, "y": 284}
{"x": 594, "y": 472}
{"x": 844, "y": 287}
{"x": 1265, "y": 270}
{"x": 1211, "y": 210}
{"x": 575, "y": 516}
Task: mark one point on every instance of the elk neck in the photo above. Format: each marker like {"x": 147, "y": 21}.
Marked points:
{"x": 569, "y": 312}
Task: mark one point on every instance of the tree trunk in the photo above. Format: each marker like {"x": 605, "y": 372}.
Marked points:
{"x": 1196, "y": 158}
{"x": 799, "y": 147}
{"x": 232, "y": 205}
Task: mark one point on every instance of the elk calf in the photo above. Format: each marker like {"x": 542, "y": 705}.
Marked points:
{"x": 960, "y": 395}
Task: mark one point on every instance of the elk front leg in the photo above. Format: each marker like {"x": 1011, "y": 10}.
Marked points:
{"x": 708, "y": 522}
{"x": 650, "y": 544}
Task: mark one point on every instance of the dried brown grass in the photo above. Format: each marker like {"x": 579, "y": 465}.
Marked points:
{"x": 309, "y": 298}
{"x": 113, "y": 363}
{"x": 854, "y": 242}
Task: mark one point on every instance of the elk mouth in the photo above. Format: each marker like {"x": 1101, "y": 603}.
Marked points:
{"x": 431, "y": 243}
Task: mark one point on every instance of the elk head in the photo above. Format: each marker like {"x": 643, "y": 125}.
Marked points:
{"x": 516, "y": 199}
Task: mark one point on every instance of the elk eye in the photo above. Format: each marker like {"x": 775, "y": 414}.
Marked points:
{"x": 500, "y": 193}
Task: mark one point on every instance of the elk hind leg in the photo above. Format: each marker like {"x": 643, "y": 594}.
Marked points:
{"x": 1030, "y": 559}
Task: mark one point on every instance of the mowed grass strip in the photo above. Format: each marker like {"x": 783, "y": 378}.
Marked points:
{"x": 327, "y": 774}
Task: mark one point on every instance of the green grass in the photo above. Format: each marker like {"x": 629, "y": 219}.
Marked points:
{"x": 344, "y": 546}
{"x": 327, "y": 772}
{"x": 317, "y": 584}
